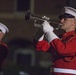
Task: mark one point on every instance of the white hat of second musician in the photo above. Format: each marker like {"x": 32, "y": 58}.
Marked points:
{"x": 3, "y": 28}
{"x": 68, "y": 12}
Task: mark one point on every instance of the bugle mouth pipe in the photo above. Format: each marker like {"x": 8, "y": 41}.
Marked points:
{"x": 29, "y": 15}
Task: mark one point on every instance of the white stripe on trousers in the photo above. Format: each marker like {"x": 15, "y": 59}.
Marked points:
{"x": 61, "y": 70}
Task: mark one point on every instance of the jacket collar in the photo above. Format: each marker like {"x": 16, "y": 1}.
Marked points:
{"x": 69, "y": 33}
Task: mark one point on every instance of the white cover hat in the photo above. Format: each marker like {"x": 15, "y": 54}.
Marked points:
{"x": 71, "y": 12}
{"x": 3, "y": 28}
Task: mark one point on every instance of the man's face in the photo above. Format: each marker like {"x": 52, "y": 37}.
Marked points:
{"x": 68, "y": 24}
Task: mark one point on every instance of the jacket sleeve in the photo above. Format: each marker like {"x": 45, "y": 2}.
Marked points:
{"x": 64, "y": 48}
{"x": 41, "y": 45}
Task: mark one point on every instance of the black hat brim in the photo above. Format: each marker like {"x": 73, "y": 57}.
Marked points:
{"x": 66, "y": 15}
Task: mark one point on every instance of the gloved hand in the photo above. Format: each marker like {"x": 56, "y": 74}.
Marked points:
{"x": 47, "y": 18}
{"x": 50, "y": 35}
{"x": 47, "y": 27}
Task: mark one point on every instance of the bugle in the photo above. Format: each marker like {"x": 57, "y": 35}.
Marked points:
{"x": 29, "y": 15}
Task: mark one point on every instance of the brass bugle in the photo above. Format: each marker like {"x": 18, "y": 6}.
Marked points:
{"x": 29, "y": 15}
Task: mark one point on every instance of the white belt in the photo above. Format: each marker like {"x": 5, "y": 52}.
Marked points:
{"x": 61, "y": 70}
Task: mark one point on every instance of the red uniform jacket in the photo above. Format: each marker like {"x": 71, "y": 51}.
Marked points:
{"x": 63, "y": 53}
{"x": 3, "y": 54}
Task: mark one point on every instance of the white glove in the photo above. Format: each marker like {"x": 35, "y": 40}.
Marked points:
{"x": 41, "y": 38}
{"x": 50, "y": 35}
{"x": 47, "y": 27}
{"x": 44, "y": 17}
